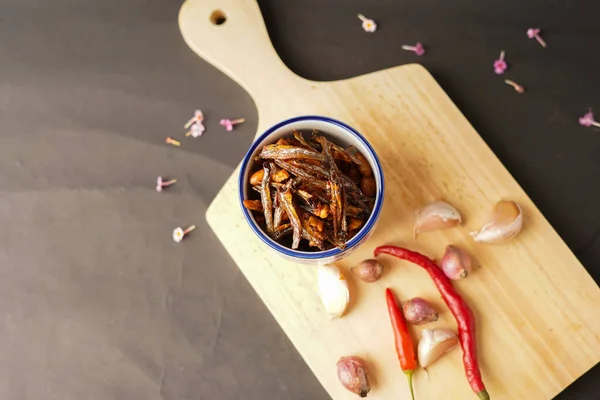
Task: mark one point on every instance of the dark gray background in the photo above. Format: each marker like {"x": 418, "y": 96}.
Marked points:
{"x": 97, "y": 301}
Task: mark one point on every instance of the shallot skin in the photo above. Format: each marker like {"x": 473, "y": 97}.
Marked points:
{"x": 352, "y": 374}
{"x": 418, "y": 311}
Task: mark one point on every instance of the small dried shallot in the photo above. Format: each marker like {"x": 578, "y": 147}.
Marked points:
{"x": 434, "y": 343}
{"x": 418, "y": 311}
{"x": 456, "y": 263}
{"x": 437, "y": 215}
{"x": 368, "y": 270}
{"x": 505, "y": 223}
{"x": 352, "y": 373}
{"x": 333, "y": 289}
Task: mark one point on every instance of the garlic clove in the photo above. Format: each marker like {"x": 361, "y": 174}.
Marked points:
{"x": 437, "y": 215}
{"x": 504, "y": 224}
{"x": 456, "y": 263}
{"x": 333, "y": 290}
{"x": 433, "y": 344}
{"x": 352, "y": 374}
{"x": 368, "y": 270}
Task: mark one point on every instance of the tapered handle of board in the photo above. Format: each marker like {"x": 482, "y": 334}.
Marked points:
{"x": 231, "y": 35}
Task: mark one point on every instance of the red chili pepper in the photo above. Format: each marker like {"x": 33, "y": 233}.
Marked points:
{"x": 405, "y": 348}
{"x": 459, "y": 308}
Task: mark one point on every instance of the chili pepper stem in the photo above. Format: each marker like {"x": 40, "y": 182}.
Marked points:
{"x": 409, "y": 375}
{"x": 483, "y": 395}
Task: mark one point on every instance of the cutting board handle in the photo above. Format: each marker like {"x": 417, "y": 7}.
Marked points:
{"x": 235, "y": 41}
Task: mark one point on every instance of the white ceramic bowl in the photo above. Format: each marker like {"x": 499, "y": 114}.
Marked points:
{"x": 339, "y": 133}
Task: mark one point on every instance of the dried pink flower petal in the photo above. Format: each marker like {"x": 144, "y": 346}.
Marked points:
{"x": 417, "y": 48}
{"x": 589, "y": 120}
{"x": 367, "y": 24}
{"x": 518, "y": 88}
{"x": 160, "y": 183}
{"x": 228, "y": 124}
{"x": 196, "y": 130}
{"x": 172, "y": 141}
{"x": 534, "y": 33}
{"x": 500, "y": 65}
{"x": 179, "y": 234}
{"x": 197, "y": 118}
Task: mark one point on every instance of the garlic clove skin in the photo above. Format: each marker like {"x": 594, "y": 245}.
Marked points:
{"x": 437, "y": 215}
{"x": 433, "y": 344}
{"x": 505, "y": 223}
{"x": 368, "y": 270}
{"x": 333, "y": 290}
{"x": 352, "y": 374}
{"x": 456, "y": 263}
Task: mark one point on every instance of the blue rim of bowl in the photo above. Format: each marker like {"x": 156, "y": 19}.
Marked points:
{"x": 316, "y": 254}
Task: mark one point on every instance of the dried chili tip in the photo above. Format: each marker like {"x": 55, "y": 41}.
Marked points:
{"x": 161, "y": 183}
{"x": 518, "y": 88}
{"x": 418, "y": 48}
{"x": 196, "y": 130}
{"x": 534, "y": 33}
{"x": 500, "y": 65}
{"x": 198, "y": 118}
{"x": 228, "y": 123}
{"x": 367, "y": 24}
{"x": 179, "y": 234}
{"x": 589, "y": 120}
{"x": 172, "y": 141}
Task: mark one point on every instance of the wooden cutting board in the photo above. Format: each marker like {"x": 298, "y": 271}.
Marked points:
{"x": 537, "y": 308}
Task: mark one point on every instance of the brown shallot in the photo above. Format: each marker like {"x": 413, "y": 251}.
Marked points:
{"x": 352, "y": 374}
{"x": 456, "y": 263}
{"x": 368, "y": 270}
{"x": 418, "y": 311}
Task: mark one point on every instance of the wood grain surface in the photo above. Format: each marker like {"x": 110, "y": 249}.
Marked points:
{"x": 536, "y": 306}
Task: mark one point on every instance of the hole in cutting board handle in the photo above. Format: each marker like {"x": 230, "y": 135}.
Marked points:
{"x": 218, "y": 17}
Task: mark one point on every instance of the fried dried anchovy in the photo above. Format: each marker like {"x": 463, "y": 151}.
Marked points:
{"x": 277, "y": 211}
{"x": 303, "y": 170}
{"x": 253, "y": 205}
{"x": 285, "y": 152}
{"x": 311, "y": 230}
{"x": 310, "y": 172}
{"x": 278, "y": 175}
{"x": 265, "y": 198}
{"x": 338, "y": 200}
{"x": 286, "y": 200}
{"x": 361, "y": 161}
{"x": 282, "y": 230}
{"x": 313, "y": 169}
{"x": 354, "y": 212}
{"x": 300, "y": 138}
